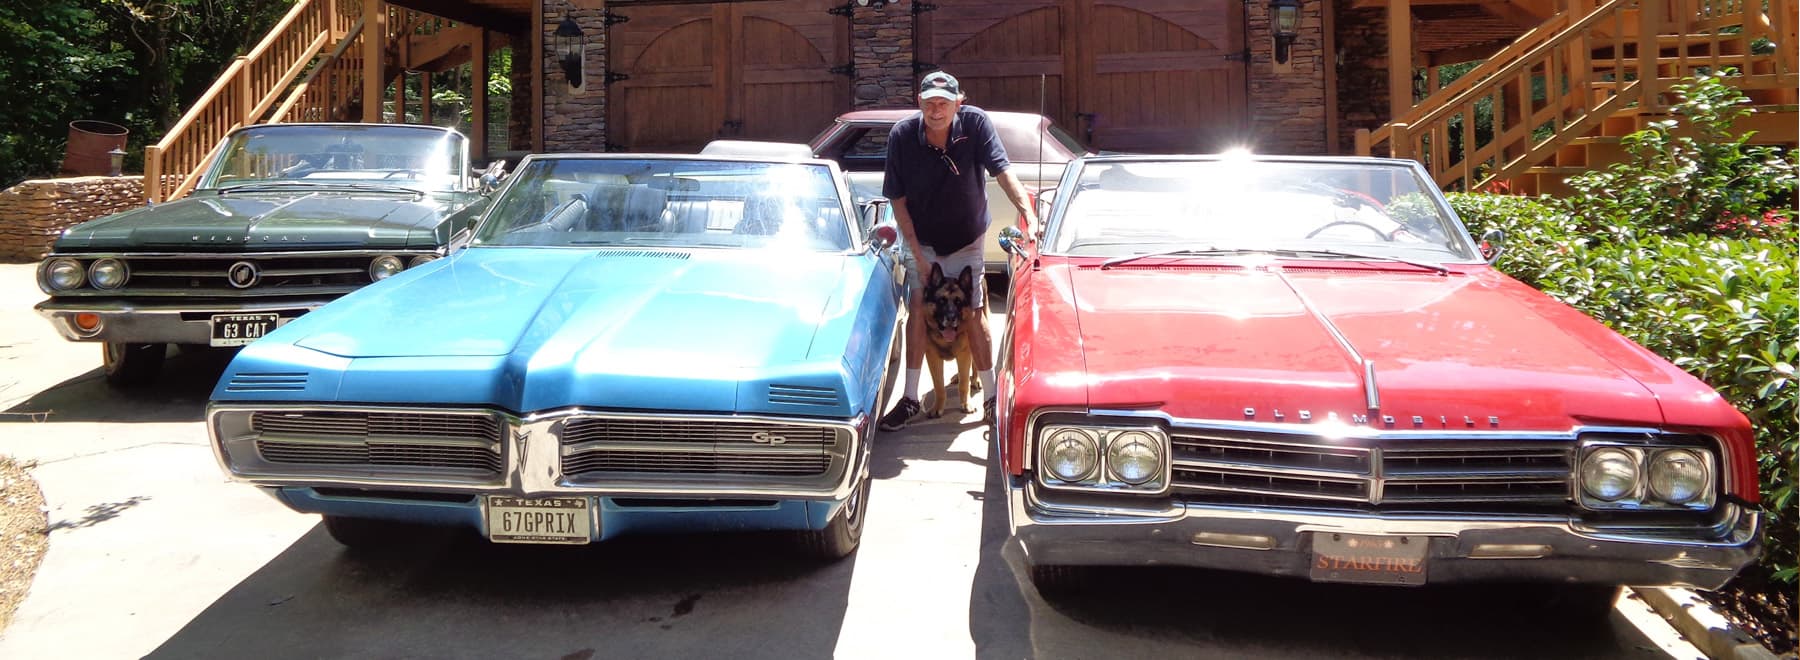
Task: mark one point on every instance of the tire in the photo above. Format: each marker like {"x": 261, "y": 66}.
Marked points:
{"x": 132, "y": 365}
{"x": 841, "y": 536}
{"x": 367, "y": 535}
{"x": 1055, "y": 580}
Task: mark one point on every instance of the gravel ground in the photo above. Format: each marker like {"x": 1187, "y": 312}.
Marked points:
{"x": 22, "y": 535}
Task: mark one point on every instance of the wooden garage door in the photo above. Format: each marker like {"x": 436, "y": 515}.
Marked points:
{"x": 696, "y": 72}
{"x": 1128, "y": 75}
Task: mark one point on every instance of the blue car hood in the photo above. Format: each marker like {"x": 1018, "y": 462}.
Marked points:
{"x": 703, "y": 309}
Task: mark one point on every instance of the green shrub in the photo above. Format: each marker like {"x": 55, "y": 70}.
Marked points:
{"x": 1690, "y": 250}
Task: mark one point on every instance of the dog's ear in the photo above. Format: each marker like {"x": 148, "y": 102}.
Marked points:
{"x": 966, "y": 279}
{"x": 937, "y": 274}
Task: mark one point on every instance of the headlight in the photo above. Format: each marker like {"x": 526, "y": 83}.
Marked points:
{"x": 384, "y": 267}
{"x": 1133, "y": 457}
{"x": 1609, "y": 474}
{"x": 421, "y": 260}
{"x": 64, "y": 274}
{"x": 1678, "y": 476}
{"x": 1070, "y": 455}
{"x": 108, "y": 274}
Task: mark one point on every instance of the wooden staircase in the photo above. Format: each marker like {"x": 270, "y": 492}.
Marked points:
{"x": 310, "y": 67}
{"x": 1557, "y": 100}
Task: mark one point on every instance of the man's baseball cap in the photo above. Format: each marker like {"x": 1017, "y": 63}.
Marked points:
{"x": 938, "y": 84}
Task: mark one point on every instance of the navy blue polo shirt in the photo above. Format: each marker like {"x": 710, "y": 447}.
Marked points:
{"x": 944, "y": 190}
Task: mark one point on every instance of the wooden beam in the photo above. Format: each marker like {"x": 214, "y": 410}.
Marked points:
{"x": 1377, "y": 4}
{"x": 537, "y": 75}
{"x": 373, "y": 75}
{"x": 1400, "y": 65}
{"x": 1329, "y": 22}
{"x": 478, "y": 74}
{"x": 1511, "y": 13}
{"x": 425, "y": 97}
{"x": 468, "y": 13}
{"x": 1465, "y": 54}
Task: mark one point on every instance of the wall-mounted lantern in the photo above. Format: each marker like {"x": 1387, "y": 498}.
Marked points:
{"x": 1284, "y": 21}
{"x": 571, "y": 47}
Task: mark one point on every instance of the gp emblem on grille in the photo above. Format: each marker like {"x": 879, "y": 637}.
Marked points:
{"x": 767, "y": 438}
{"x": 243, "y": 275}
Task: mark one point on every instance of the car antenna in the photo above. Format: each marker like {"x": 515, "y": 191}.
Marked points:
{"x": 1040, "y": 154}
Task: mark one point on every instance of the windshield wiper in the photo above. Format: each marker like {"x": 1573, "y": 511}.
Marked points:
{"x": 1179, "y": 252}
{"x": 316, "y": 185}
{"x": 1437, "y": 268}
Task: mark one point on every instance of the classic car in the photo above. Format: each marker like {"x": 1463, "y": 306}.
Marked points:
{"x": 1306, "y": 367}
{"x": 629, "y": 343}
{"x": 1038, "y": 149}
{"x": 286, "y": 218}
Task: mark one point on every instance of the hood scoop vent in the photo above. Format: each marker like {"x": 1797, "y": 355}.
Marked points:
{"x": 801, "y": 395}
{"x": 267, "y": 382}
{"x": 646, "y": 254}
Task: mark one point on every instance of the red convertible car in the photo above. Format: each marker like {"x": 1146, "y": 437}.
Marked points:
{"x": 1306, "y": 367}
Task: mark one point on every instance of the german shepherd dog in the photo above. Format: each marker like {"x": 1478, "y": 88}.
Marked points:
{"x": 947, "y": 315}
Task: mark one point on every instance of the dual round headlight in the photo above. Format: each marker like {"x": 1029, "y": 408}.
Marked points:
{"x": 1132, "y": 458}
{"x": 1675, "y": 476}
{"x": 385, "y": 266}
{"x": 108, "y": 273}
{"x": 421, "y": 260}
{"x": 64, "y": 274}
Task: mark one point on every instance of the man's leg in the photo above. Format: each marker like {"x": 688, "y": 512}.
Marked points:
{"x": 909, "y": 407}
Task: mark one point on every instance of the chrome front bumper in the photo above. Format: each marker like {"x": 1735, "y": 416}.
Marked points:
{"x": 1463, "y": 548}
{"x": 183, "y": 322}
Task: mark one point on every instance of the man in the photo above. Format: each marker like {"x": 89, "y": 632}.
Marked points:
{"x": 934, "y": 179}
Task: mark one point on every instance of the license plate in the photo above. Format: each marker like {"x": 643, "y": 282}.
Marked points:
{"x": 1368, "y": 559}
{"x": 558, "y": 520}
{"x": 241, "y": 329}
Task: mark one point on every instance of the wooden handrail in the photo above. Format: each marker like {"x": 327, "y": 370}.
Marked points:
{"x": 1481, "y": 72}
{"x": 325, "y": 67}
{"x": 243, "y": 93}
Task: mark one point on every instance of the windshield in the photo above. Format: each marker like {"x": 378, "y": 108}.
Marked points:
{"x": 1126, "y": 208}
{"x": 399, "y": 156}
{"x": 669, "y": 203}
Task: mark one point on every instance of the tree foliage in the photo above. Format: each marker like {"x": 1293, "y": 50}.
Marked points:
{"x": 136, "y": 63}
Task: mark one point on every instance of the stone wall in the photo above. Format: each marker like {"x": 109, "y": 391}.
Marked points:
{"x": 575, "y": 117}
{"x": 34, "y": 213}
{"x": 1287, "y": 103}
{"x": 1362, "y": 80}
{"x": 881, "y": 40}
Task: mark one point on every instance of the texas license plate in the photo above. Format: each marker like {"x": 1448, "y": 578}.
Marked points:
{"x": 1339, "y": 557}
{"x": 241, "y": 329}
{"x": 557, "y": 520}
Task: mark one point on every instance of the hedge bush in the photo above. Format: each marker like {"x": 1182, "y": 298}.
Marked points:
{"x": 1689, "y": 248}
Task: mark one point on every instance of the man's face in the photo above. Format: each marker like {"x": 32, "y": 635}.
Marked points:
{"x": 939, "y": 112}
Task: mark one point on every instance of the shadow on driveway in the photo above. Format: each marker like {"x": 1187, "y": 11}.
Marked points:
{"x": 178, "y": 395}
{"x": 737, "y": 596}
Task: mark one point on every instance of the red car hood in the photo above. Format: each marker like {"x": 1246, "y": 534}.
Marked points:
{"x": 1462, "y": 351}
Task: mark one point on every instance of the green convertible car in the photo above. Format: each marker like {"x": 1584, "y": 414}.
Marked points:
{"x": 287, "y": 218}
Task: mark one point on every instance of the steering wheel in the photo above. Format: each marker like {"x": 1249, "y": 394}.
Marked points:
{"x": 410, "y": 174}
{"x": 1355, "y": 223}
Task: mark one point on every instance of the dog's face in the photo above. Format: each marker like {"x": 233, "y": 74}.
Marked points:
{"x": 947, "y": 303}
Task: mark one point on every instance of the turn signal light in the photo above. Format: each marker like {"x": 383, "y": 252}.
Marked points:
{"x": 87, "y": 322}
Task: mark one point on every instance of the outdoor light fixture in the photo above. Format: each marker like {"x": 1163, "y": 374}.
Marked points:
{"x": 570, "y": 48}
{"x": 118, "y": 162}
{"x": 1284, "y": 21}
{"x": 872, "y": 3}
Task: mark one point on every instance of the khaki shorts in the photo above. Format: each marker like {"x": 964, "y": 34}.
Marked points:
{"x": 970, "y": 257}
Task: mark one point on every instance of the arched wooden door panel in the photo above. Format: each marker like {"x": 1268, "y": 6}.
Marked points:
{"x": 686, "y": 74}
{"x": 1128, "y": 75}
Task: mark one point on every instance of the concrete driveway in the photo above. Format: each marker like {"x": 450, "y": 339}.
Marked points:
{"x": 153, "y": 553}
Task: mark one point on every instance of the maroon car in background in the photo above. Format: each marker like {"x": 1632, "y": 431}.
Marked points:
{"x": 1306, "y": 367}
{"x": 1037, "y": 148}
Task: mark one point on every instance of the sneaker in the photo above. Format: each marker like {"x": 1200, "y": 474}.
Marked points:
{"x": 987, "y": 409}
{"x": 902, "y": 414}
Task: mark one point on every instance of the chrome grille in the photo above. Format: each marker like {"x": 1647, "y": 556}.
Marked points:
{"x": 310, "y": 274}
{"x": 593, "y": 446}
{"x": 385, "y": 439}
{"x": 1434, "y": 473}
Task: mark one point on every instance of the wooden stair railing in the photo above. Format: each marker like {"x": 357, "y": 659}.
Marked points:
{"x": 326, "y": 92}
{"x": 1541, "y": 93}
{"x": 247, "y": 89}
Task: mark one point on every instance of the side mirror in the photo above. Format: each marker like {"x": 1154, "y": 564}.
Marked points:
{"x": 885, "y": 236}
{"x": 1011, "y": 240}
{"x": 872, "y": 213}
{"x": 490, "y": 177}
{"x": 1493, "y": 244}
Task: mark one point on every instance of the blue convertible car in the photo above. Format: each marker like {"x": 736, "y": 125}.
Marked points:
{"x": 626, "y": 344}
